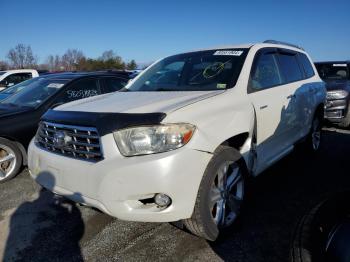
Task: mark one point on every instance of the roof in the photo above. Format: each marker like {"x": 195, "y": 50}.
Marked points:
{"x": 334, "y": 62}
{"x": 75, "y": 75}
{"x": 269, "y": 43}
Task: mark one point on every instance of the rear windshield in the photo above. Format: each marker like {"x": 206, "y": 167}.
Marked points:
{"x": 333, "y": 71}
{"x": 2, "y": 72}
{"x": 196, "y": 71}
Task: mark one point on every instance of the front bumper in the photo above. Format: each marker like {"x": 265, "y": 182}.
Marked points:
{"x": 336, "y": 110}
{"x": 116, "y": 184}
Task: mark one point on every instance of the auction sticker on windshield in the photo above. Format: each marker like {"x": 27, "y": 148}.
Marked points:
{"x": 55, "y": 85}
{"x": 229, "y": 52}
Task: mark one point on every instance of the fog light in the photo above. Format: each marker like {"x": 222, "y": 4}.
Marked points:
{"x": 162, "y": 200}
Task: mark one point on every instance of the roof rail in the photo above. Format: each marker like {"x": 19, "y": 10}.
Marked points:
{"x": 282, "y": 43}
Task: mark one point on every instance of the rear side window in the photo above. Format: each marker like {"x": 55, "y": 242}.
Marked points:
{"x": 113, "y": 84}
{"x": 309, "y": 71}
{"x": 289, "y": 67}
{"x": 265, "y": 72}
{"x": 81, "y": 89}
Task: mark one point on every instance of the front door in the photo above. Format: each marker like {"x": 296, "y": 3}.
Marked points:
{"x": 271, "y": 103}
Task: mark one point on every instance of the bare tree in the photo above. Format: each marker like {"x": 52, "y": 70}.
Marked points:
{"x": 107, "y": 55}
{"x": 22, "y": 56}
{"x": 71, "y": 59}
{"x": 4, "y": 65}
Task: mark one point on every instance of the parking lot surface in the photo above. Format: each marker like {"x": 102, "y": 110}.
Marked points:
{"x": 36, "y": 226}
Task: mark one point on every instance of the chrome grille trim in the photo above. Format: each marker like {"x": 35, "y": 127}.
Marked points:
{"x": 83, "y": 143}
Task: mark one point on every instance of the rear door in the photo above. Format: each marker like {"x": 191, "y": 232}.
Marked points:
{"x": 79, "y": 89}
{"x": 293, "y": 76}
{"x": 269, "y": 98}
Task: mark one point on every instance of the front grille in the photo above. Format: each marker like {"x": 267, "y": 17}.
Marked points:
{"x": 71, "y": 141}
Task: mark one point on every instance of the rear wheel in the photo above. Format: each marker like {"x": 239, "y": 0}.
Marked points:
{"x": 10, "y": 160}
{"x": 220, "y": 195}
{"x": 314, "y": 138}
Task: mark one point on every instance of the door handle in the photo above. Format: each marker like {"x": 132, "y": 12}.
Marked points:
{"x": 264, "y": 106}
{"x": 291, "y": 96}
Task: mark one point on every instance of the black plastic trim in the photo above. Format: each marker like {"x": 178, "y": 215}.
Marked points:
{"x": 105, "y": 123}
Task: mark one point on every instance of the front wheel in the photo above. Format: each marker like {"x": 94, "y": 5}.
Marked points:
{"x": 10, "y": 160}
{"x": 220, "y": 195}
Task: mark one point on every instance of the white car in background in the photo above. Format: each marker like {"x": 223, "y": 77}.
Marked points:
{"x": 181, "y": 140}
{"x": 12, "y": 77}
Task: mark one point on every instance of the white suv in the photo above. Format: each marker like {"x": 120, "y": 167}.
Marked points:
{"x": 181, "y": 140}
{"x": 12, "y": 77}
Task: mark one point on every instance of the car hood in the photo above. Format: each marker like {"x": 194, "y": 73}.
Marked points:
{"x": 7, "y": 110}
{"x": 337, "y": 85}
{"x": 138, "y": 102}
{"x": 3, "y": 96}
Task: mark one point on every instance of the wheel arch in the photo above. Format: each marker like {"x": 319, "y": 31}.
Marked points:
{"x": 242, "y": 143}
{"x": 20, "y": 147}
{"x": 236, "y": 141}
{"x": 320, "y": 110}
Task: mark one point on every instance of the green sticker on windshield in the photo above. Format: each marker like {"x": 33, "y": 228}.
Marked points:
{"x": 221, "y": 86}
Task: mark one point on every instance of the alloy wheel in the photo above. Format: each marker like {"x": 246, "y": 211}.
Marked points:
{"x": 7, "y": 161}
{"x": 226, "y": 195}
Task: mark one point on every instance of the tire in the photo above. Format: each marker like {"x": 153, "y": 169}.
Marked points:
{"x": 10, "y": 160}
{"x": 219, "y": 200}
{"x": 345, "y": 123}
{"x": 313, "y": 234}
{"x": 314, "y": 138}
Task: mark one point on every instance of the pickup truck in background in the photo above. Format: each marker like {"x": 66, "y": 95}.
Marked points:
{"x": 12, "y": 77}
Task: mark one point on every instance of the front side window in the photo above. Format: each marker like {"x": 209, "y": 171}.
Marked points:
{"x": 80, "y": 89}
{"x": 196, "y": 71}
{"x": 35, "y": 93}
{"x": 265, "y": 72}
{"x": 113, "y": 84}
{"x": 289, "y": 67}
{"x": 333, "y": 71}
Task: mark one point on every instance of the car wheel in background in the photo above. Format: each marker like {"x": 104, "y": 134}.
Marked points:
{"x": 220, "y": 194}
{"x": 324, "y": 233}
{"x": 10, "y": 160}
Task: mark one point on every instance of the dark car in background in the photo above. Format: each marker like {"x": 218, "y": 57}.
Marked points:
{"x": 20, "y": 112}
{"x": 336, "y": 74}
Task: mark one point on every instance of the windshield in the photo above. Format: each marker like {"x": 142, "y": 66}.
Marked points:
{"x": 36, "y": 92}
{"x": 196, "y": 71}
{"x": 18, "y": 87}
{"x": 333, "y": 71}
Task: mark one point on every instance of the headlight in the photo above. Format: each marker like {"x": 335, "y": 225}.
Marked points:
{"x": 153, "y": 139}
{"x": 338, "y": 94}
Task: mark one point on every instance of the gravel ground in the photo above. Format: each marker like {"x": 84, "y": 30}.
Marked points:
{"x": 36, "y": 226}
